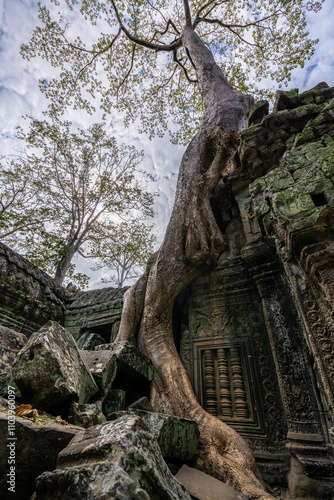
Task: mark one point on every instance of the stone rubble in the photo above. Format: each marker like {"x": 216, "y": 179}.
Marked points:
{"x": 117, "y": 460}
{"x": 50, "y": 371}
{"x": 37, "y": 446}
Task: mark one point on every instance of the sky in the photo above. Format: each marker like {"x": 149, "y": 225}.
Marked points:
{"x": 19, "y": 95}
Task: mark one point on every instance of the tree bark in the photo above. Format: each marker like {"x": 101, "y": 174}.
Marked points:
{"x": 64, "y": 266}
{"x": 193, "y": 244}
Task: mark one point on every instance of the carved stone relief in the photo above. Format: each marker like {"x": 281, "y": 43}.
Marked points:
{"x": 297, "y": 388}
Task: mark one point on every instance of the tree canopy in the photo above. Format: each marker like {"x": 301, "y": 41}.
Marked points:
{"x": 21, "y": 204}
{"x": 71, "y": 192}
{"x": 125, "y": 259}
{"x": 139, "y": 65}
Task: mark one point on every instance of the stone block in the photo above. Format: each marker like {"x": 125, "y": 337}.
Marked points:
{"x": 103, "y": 367}
{"x": 115, "y": 401}
{"x": 141, "y": 404}
{"x": 11, "y": 340}
{"x": 257, "y": 112}
{"x": 88, "y": 341}
{"x": 36, "y": 449}
{"x": 85, "y": 415}
{"x": 50, "y": 372}
{"x": 204, "y": 487}
{"x": 131, "y": 360}
{"x": 286, "y": 99}
{"x": 97, "y": 310}
{"x": 313, "y": 480}
{"x": 177, "y": 437}
{"x": 118, "y": 460}
{"x": 10, "y": 344}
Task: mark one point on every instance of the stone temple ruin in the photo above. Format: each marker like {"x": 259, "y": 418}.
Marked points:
{"x": 256, "y": 334}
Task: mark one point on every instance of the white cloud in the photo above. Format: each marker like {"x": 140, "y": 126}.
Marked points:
{"x": 321, "y": 66}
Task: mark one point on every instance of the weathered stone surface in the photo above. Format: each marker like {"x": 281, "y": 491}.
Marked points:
{"x": 130, "y": 359}
{"x": 309, "y": 481}
{"x": 115, "y": 401}
{"x": 266, "y": 310}
{"x": 257, "y": 112}
{"x": 28, "y": 296}
{"x": 286, "y": 99}
{"x": 103, "y": 367}
{"x": 96, "y": 311}
{"x": 141, "y": 404}
{"x": 263, "y": 144}
{"x": 50, "y": 372}
{"x": 204, "y": 487}
{"x": 11, "y": 340}
{"x": 85, "y": 415}
{"x": 118, "y": 460}
{"x": 10, "y": 344}
{"x": 177, "y": 437}
{"x": 88, "y": 341}
{"x": 36, "y": 448}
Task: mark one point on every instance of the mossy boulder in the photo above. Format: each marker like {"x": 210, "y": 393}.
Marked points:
{"x": 177, "y": 437}
{"x": 103, "y": 366}
{"x": 116, "y": 460}
{"x": 50, "y": 372}
{"x": 10, "y": 344}
{"x": 131, "y": 360}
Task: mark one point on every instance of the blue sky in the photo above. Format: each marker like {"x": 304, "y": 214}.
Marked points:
{"x": 19, "y": 95}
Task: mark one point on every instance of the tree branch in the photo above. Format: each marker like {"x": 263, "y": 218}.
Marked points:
{"x": 96, "y": 54}
{"x": 161, "y": 33}
{"x": 198, "y": 17}
{"x": 129, "y": 70}
{"x": 231, "y": 26}
{"x": 190, "y": 59}
{"x": 179, "y": 62}
{"x": 187, "y": 12}
{"x": 145, "y": 43}
{"x": 169, "y": 22}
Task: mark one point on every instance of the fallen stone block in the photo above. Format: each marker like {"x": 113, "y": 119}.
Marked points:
{"x": 118, "y": 460}
{"x": 34, "y": 450}
{"x": 131, "y": 360}
{"x": 103, "y": 367}
{"x": 177, "y": 437}
{"x": 115, "y": 401}
{"x": 257, "y": 112}
{"x": 50, "y": 372}
{"x": 204, "y": 487}
{"x": 10, "y": 344}
{"x": 141, "y": 404}
{"x": 85, "y": 415}
{"x": 11, "y": 340}
{"x": 88, "y": 341}
{"x": 309, "y": 478}
{"x": 134, "y": 372}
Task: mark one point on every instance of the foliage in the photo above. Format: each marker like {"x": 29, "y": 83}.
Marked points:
{"x": 139, "y": 66}
{"x": 88, "y": 187}
{"x": 126, "y": 257}
{"x": 21, "y": 203}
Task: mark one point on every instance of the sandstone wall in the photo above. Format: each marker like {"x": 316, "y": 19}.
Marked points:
{"x": 28, "y": 296}
{"x": 256, "y": 334}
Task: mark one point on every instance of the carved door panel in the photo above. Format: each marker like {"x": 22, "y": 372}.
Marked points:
{"x": 224, "y": 392}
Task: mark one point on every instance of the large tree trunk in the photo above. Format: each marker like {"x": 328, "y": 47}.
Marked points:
{"x": 193, "y": 244}
{"x": 64, "y": 265}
